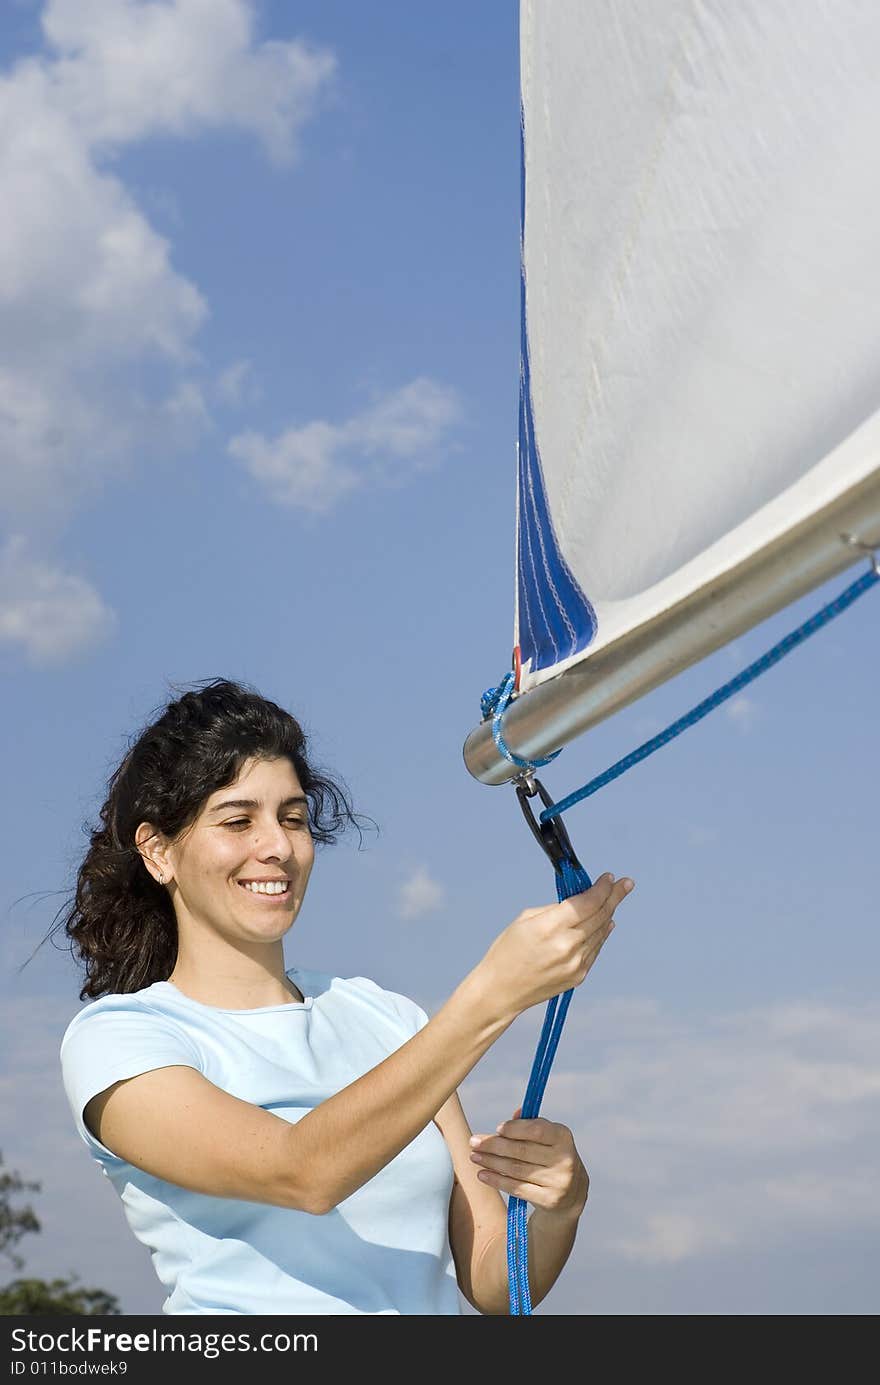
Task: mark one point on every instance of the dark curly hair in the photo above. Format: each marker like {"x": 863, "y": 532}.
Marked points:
{"x": 121, "y": 923}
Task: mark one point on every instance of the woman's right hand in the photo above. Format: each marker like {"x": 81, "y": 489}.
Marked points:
{"x": 549, "y": 950}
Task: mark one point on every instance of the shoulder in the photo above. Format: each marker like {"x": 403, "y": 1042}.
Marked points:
{"x": 400, "y": 1009}
{"x": 120, "y": 1035}
{"x": 98, "y": 1013}
{"x": 407, "y": 1010}
{"x": 136, "y": 1011}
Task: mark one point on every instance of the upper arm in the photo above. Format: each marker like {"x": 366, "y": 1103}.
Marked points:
{"x": 477, "y": 1211}
{"x": 175, "y": 1124}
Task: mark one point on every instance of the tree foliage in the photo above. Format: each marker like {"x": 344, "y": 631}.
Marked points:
{"x": 14, "y": 1222}
{"x": 22, "y": 1296}
{"x": 55, "y": 1296}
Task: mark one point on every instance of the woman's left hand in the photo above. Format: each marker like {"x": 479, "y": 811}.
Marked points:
{"x": 536, "y": 1160}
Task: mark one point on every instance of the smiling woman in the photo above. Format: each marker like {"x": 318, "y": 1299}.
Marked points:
{"x": 285, "y": 1140}
{"x": 147, "y": 890}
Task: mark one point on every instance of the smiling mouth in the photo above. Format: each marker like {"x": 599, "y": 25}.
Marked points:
{"x": 266, "y": 894}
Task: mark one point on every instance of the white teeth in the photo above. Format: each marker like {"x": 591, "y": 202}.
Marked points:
{"x": 267, "y": 887}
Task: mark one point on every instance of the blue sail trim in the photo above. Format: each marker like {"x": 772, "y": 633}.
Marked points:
{"x": 556, "y": 620}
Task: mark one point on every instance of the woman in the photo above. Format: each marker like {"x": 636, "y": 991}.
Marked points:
{"x": 285, "y": 1140}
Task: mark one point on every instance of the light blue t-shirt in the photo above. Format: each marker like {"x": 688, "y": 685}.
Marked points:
{"x": 385, "y": 1249}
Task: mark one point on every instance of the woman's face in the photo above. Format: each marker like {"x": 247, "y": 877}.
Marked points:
{"x": 255, "y": 829}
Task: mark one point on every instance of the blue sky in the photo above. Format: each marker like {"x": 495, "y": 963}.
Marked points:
{"x": 258, "y": 398}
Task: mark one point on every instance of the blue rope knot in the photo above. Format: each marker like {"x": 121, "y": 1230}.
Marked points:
{"x": 493, "y": 703}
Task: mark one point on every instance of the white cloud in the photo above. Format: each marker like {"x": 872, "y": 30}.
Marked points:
{"x": 742, "y": 711}
{"x": 127, "y": 69}
{"x": 99, "y": 342}
{"x": 419, "y": 895}
{"x": 186, "y": 411}
{"x": 668, "y": 1237}
{"x": 300, "y": 467}
{"x": 314, "y": 466}
{"x": 713, "y": 1134}
{"x": 237, "y": 385}
{"x": 48, "y": 614}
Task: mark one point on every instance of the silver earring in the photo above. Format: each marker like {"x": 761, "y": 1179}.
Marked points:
{"x": 161, "y": 879}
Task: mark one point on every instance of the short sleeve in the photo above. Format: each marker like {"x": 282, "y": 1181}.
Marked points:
{"x": 405, "y": 1011}
{"x": 412, "y": 1014}
{"x": 112, "y": 1039}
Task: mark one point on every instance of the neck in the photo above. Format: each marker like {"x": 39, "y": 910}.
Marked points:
{"x": 232, "y": 979}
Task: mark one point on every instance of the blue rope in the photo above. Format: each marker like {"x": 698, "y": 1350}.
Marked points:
{"x": 494, "y": 703}
{"x": 570, "y": 880}
{"x": 748, "y": 675}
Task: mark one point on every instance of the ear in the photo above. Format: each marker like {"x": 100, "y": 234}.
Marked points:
{"x": 153, "y": 850}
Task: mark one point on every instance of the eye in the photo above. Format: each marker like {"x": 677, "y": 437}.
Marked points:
{"x": 236, "y": 823}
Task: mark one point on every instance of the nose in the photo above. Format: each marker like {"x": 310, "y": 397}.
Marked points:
{"x": 272, "y": 842}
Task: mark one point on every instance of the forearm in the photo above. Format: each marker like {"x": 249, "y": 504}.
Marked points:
{"x": 348, "y": 1138}
{"x": 550, "y": 1240}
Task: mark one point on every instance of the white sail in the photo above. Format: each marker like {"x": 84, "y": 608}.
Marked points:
{"x": 699, "y": 426}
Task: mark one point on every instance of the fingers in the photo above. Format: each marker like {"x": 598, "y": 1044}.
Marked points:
{"x": 510, "y": 1167}
{"x": 537, "y": 1128}
{"x": 533, "y": 1153}
{"x": 597, "y": 904}
{"x": 616, "y": 891}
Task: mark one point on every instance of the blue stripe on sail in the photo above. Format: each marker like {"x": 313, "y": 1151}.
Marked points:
{"x": 555, "y": 618}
